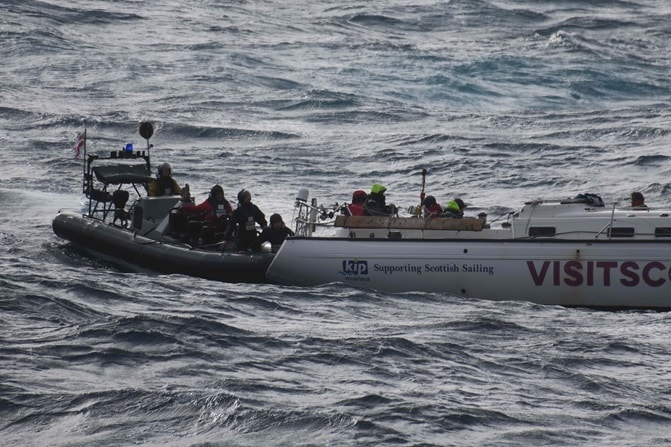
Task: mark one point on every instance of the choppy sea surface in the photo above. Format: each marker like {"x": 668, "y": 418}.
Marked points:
{"x": 501, "y": 100}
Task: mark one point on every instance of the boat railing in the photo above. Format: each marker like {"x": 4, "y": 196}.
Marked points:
{"x": 108, "y": 182}
{"x": 309, "y": 215}
{"x": 412, "y": 223}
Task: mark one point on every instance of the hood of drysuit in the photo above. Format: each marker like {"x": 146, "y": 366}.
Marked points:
{"x": 453, "y": 205}
{"x": 378, "y": 189}
{"x": 429, "y": 201}
{"x": 359, "y": 196}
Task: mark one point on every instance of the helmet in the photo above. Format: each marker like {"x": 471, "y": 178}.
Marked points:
{"x": 162, "y": 167}
{"x": 275, "y": 218}
{"x": 429, "y": 201}
{"x": 377, "y": 188}
{"x": 242, "y": 194}
{"x": 215, "y": 190}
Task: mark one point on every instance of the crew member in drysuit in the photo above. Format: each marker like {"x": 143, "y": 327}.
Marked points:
{"x": 375, "y": 203}
{"x": 243, "y": 222}
{"x": 356, "y": 207}
{"x": 455, "y": 208}
{"x": 431, "y": 207}
{"x": 638, "y": 201}
{"x": 163, "y": 184}
{"x": 215, "y": 212}
{"x": 276, "y": 233}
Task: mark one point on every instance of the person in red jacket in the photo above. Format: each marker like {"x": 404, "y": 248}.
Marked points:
{"x": 431, "y": 207}
{"x": 215, "y": 212}
{"x": 212, "y": 208}
{"x": 356, "y": 207}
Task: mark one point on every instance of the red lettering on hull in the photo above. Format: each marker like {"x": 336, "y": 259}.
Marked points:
{"x": 575, "y": 273}
{"x": 539, "y": 278}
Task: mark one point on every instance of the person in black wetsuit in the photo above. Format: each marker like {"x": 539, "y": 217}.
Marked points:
{"x": 275, "y": 233}
{"x": 243, "y": 223}
{"x": 375, "y": 204}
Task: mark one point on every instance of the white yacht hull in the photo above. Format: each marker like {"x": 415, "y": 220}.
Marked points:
{"x": 591, "y": 273}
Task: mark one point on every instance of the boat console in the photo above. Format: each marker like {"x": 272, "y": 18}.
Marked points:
{"x": 151, "y": 214}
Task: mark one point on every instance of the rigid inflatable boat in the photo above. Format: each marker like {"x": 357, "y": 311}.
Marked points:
{"x": 122, "y": 223}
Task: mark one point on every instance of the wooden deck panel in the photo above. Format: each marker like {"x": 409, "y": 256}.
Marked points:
{"x": 410, "y": 223}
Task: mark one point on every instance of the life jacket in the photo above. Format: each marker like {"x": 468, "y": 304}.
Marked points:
{"x": 167, "y": 186}
{"x": 431, "y": 207}
{"x": 433, "y": 210}
{"x": 244, "y": 219}
{"x": 357, "y": 206}
{"x": 376, "y": 205}
{"x": 222, "y": 209}
{"x": 210, "y": 210}
{"x": 246, "y": 216}
{"x": 453, "y": 209}
{"x": 163, "y": 186}
{"x": 355, "y": 209}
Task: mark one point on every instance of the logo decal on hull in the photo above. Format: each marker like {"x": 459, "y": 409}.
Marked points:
{"x": 355, "y": 270}
{"x": 358, "y": 270}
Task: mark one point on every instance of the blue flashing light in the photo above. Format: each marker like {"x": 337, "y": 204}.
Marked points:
{"x": 129, "y": 147}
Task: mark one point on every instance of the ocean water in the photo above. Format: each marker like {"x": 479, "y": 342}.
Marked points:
{"x": 501, "y": 101}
